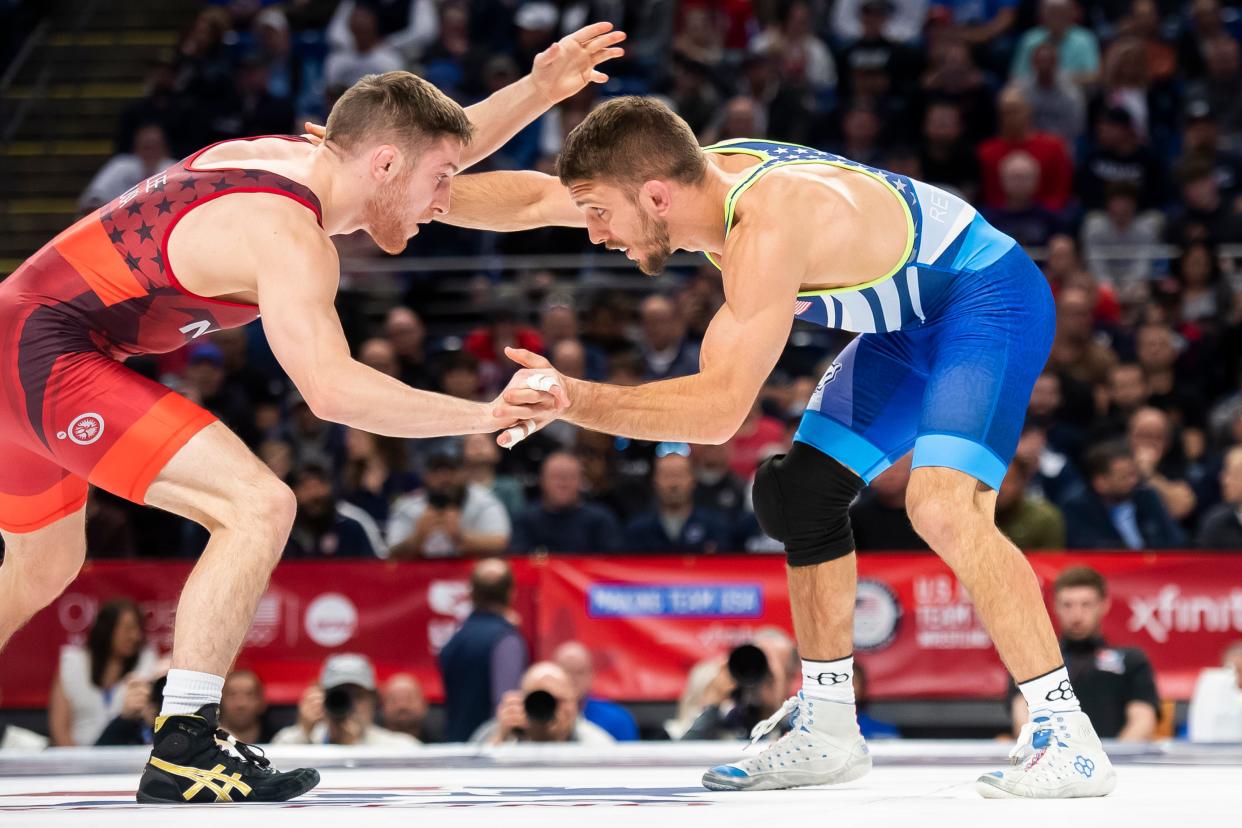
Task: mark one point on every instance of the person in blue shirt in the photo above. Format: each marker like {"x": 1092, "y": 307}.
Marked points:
{"x": 675, "y": 523}
{"x": 575, "y": 659}
{"x": 871, "y": 728}
{"x": 1077, "y": 48}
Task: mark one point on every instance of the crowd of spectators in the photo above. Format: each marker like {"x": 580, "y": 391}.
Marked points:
{"x": 1089, "y": 132}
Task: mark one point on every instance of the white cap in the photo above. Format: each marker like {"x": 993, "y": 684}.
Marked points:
{"x": 347, "y": 668}
{"x": 536, "y": 16}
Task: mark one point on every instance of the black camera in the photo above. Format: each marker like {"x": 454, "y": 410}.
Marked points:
{"x": 540, "y": 707}
{"x": 450, "y": 499}
{"x": 749, "y": 666}
{"x": 338, "y": 703}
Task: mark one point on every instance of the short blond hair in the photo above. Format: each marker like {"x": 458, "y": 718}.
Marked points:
{"x": 398, "y": 106}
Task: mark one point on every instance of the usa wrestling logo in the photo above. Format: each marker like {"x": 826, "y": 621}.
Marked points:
{"x": 84, "y": 429}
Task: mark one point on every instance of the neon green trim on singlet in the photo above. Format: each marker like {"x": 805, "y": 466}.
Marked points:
{"x": 730, "y": 205}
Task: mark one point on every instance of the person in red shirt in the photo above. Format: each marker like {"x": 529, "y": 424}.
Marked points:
{"x": 487, "y": 344}
{"x": 1056, "y": 171}
{"x": 1064, "y": 268}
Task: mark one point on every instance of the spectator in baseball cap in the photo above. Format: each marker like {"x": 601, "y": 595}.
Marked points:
{"x": 340, "y": 709}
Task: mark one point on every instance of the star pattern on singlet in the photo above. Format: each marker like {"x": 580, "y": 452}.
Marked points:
{"x": 137, "y": 229}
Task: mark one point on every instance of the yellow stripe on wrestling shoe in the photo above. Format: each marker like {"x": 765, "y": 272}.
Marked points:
{"x": 159, "y": 720}
{"x": 204, "y": 779}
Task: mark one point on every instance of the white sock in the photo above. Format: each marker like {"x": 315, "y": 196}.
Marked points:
{"x": 1050, "y": 693}
{"x": 829, "y": 681}
{"x": 187, "y": 691}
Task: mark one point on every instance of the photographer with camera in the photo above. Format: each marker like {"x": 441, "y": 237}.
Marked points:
{"x": 546, "y": 708}
{"x": 749, "y": 688}
{"x": 135, "y": 724}
{"x": 340, "y": 710}
{"x": 448, "y": 517}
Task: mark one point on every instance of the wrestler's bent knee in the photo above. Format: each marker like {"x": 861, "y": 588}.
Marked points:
{"x": 802, "y": 499}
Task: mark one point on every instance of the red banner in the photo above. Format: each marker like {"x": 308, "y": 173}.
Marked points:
{"x": 398, "y": 615}
{"x": 648, "y": 620}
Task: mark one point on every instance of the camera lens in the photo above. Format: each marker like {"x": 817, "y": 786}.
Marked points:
{"x": 338, "y": 703}
{"x": 748, "y": 665}
{"x": 540, "y": 707}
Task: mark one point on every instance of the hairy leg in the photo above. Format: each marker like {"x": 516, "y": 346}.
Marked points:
{"x": 956, "y": 517}
{"x": 37, "y": 567}
{"x": 217, "y": 482}
{"x": 822, "y": 600}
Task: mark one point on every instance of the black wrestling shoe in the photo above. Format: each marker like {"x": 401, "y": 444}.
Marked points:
{"x": 190, "y": 763}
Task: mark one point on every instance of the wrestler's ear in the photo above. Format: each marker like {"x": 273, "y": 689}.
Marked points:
{"x": 656, "y": 195}
{"x": 384, "y": 162}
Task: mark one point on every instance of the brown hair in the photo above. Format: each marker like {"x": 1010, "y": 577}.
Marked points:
{"x": 1080, "y": 576}
{"x": 631, "y": 140}
{"x": 99, "y": 639}
{"x": 400, "y": 105}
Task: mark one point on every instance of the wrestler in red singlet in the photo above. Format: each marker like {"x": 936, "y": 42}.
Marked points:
{"x": 101, "y": 291}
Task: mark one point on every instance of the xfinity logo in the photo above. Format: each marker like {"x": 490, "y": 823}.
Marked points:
{"x": 1168, "y": 611}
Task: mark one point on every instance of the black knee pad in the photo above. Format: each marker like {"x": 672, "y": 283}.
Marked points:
{"x": 802, "y": 499}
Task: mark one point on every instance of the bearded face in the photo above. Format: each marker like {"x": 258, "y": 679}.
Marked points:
{"x": 655, "y": 247}
{"x": 386, "y": 214}
{"x": 616, "y": 218}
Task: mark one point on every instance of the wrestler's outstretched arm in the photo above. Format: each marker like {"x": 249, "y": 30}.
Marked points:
{"x": 298, "y": 278}
{"x": 561, "y": 70}
{"x": 765, "y": 264}
{"x": 511, "y": 201}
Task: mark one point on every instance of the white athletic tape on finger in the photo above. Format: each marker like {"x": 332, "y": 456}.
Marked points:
{"x": 520, "y": 432}
{"x": 540, "y": 382}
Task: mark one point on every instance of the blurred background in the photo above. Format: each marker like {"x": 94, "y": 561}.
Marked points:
{"x": 583, "y": 587}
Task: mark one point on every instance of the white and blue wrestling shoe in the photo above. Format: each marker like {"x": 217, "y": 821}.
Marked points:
{"x": 1058, "y": 756}
{"x": 824, "y": 747}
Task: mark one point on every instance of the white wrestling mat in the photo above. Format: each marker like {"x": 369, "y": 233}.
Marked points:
{"x": 915, "y": 783}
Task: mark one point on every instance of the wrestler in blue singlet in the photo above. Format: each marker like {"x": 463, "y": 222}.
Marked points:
{"x": 952, "y": 339}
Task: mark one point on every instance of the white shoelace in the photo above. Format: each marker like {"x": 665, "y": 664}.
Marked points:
{"x": 771, "y": 722}
{"x": 1024, "y": 748}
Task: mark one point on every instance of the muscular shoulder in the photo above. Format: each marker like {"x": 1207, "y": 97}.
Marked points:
{"x": 789, "y": 218}
{"x": 249, "y": 229}
{"x": 795, "y": 196}
{"x": 274, "y": 222}
{"x": 771, "y": 214}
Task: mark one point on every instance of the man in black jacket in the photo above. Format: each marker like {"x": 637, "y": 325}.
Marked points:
{"x": 562, "y": 521}
{"x": 1222, "y": 526}
{"x": 675, "y": 523}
